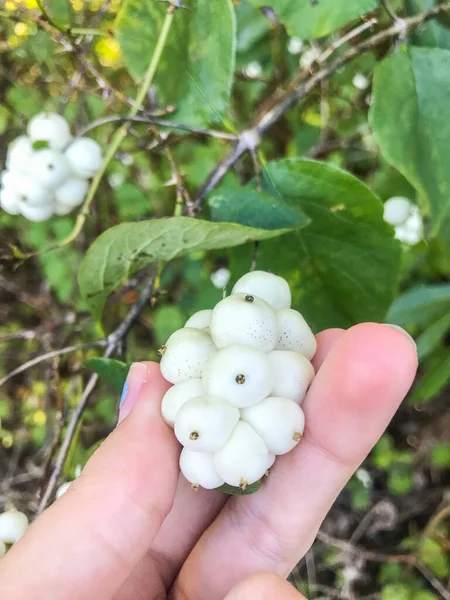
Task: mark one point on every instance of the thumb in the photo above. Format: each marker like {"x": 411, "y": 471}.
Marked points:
{"x": 264, "y": 586}
{"x": 87, "y": 543}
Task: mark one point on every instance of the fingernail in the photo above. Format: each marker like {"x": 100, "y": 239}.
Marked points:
{"x": 137, "y": 376}
{"x": 405, "y": 333}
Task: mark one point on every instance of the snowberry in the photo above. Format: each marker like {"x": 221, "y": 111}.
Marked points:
{"x": 10, "y": 201}
{"x": 244, "y": 459}
{"x": 2, "y": 548}
{"x": 295, "y": 45}
{"x": 199, "y": 469}
{"x": 244, "y": 319}
{"x": 239, "y": 374}
{"x": 62, "y": 489}
{"x": 62, "y": 209}
{"x": 408, "y": 236}
{"x": 396, "y": 210}
{"x": 177, "y": 395}
{"x": 51, "y": 128}
{"x": 184, "y": 354}
{"x": 19, "y": 153}
{"x": 292, "y": 374}
{"x": 279, "y": 421}
{"x": 13, "y": 525}
{"x": 32, "y": 192}
{"x": 84, "y": 157}
{"x": 200, "y": 319}
{"x": 294, "y": 333}
{"x": 72, "y": 192}
{"x": 49, "y": 168}
{"x": 220, "y": 278}
{"x": 36, "y": 213}
{"x": 271, "y": 288}
{"x": 205, "y": 423}
{"x": 360, "y": 81}
{"x": 11, "y": 180}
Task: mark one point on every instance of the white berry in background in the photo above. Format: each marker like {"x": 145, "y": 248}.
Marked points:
{"x": 408, "y": 236}
{"x": 271, "y": 288}
{"x": 360, "y": 81}
{"x": 198, "y": 468}
{"x": 253, "y": 70}
{"x": 178, "y": 395}
{"x": 13, "y": 525}
{"x": 309, "y": 57}
{"x": 61, "y": 210}
{"x": 36, "y": 214}
{"x": 295, "y": 45}
{"x": 205, "y": 423}
{"x": 244, "y": 459}
{"x": 220, "y": 278}
{"x": 185, "y": 353}
{"x": 10, "y": 201}
{"x": 239, "y": 374}
{"x": 294, "y": 333}
{"x": 49, "y": 168}
{"x": 396, "y": 210}
{"x": 244, "y": 319}
{"x": 19, "y": 153}
{"x": 2, "y": 548}
{"x": 62, "y": 489}
{"x": 279, "y": 421}
{"x": 292, "y": 374}
{"x": 200, "y": 319}
{"x": 72, "y": 192}
{"x": 84, "y": 157}
{"x": 51, "y": 128}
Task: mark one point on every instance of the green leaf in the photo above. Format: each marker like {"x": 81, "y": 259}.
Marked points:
{"x": 432, "y": 33}
{"x": 113, "y": 371}
{"x": 308, "y": 20}
{"x": 196, "y": 68}
{"x": 420, "y": 306}
{"x": 409, "y": 115}
{"x": 342, "y": 268}
{"x": 40, "y": 144}
{"x": 122, "y": 250}
{"x": 166, "y": 320}
{"x": 58, "y": 11}
{"x": 395, "y": 591}
{"x": 131, "y": 202}
{"x": 436, "y": 376}
{"x": 429, "y": 339}
{"x": 255, "y": 209}
{"x": 434, "y": 557}
{"x": 236, "y": 491}
{"x": 440, "y": 456}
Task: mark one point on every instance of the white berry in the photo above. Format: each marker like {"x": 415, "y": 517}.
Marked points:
{"x": 51, "y": 128}
{"x": 49, "y": 168}
{"x": 33, "y": 193}
{"x": 19, "y": 153}
{"x": 205, "y": 423}
{"x": 72, "y": 192}
{"x": 239, "y": 374}
{"x": 292, "y": 374}
{"x": 11, "y": 180}
{"x": 84, "y": 157}
{"x": 200, "y": 319}
{"x": 178, "y": 395}
{"x": 244, "y": 319}
{"x": 62, "y": 209}
{"x": 62, "y": 489}
{"x": 36, "y": 213}
{"x": 13, "y": 525}
{"x": 185, "y": 354}
{"x": 220, "y": 278}
{"x": 244, "y": 458}
{"x": 271, "y": 288}
{"x": 279, "y": 421}
{"x": 294, "y": 333}
{"x": 198, "y": 468}
{"x": 10, "y": 201}
{"x": 396, "y": 210}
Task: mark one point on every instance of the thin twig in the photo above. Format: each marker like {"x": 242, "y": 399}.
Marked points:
{"x": 48, "y": 355}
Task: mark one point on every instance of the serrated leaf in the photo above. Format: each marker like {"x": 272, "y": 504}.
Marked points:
{"x": 236, "y": 491}
{"x": 410, "y": 116}
{"x": 197, "y": 64}
{"x": 307, "y": 19}
{"x": 255, "y": 209}
{"x": 113, "y": 371}
{"x": 343, "y": 268}
{"x": 122, "y": 250}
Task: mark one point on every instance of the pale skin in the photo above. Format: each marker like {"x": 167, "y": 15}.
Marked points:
{"x": 131, "y": 528}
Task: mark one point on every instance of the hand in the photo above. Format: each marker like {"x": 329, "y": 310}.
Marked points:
{"x": 130, "y": 528}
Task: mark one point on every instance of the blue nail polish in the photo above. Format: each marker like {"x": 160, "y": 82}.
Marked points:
{"x": 124, "y": 394}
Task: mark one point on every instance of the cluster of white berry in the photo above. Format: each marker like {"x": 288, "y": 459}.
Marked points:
{"x": 240, "y": 372}
{"x": 47, "y": 171}
{"x": 405, "y": 216}
{"x": 13, "y": 525}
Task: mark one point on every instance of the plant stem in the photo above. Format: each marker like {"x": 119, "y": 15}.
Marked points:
{"x": 88, "y": 31}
